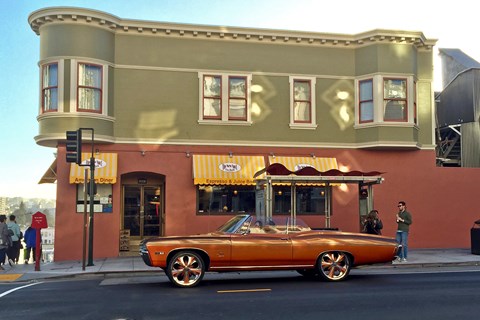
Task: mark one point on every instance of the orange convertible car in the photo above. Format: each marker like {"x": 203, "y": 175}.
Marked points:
{"x": 245, "y": 243}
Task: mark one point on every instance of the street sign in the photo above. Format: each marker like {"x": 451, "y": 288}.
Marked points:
{"x": 39, "y": 221}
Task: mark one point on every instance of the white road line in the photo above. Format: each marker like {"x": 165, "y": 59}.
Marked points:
{"x": 15, "y": 289}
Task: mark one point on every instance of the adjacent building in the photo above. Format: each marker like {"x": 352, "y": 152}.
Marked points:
{"x": 184, "y": 116}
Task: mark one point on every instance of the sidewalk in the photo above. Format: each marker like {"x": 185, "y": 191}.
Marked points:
{"x": 26, "y": 272}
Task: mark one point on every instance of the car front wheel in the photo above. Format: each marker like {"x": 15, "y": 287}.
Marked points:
{"x": 333, "y": 266}
{"x": 186, "y": 269}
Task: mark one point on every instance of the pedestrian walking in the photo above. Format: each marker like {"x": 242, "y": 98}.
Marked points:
{"x": 13, "y": 252}
{"x": 5, "y": 240}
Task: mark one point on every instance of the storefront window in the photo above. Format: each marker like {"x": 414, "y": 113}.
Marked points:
{"x": 225, "y": 199}
{"x": 310, "y": 200}
{"x": 102, "y": 198}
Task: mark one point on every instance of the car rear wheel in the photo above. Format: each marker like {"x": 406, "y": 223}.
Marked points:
{"x": 333, "y": 266}
{"x": 186, "y": 269}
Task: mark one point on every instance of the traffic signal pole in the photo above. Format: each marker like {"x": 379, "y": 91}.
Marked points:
{"x": 74, "y": 154}
{"x": 92, "y": 199}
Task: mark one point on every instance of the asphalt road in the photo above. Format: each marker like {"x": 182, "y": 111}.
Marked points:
{"x": 450, "y": 294}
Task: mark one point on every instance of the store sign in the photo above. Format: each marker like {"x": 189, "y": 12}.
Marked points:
{"x": 98, "y": 163}
{"x": 229, "y": 167}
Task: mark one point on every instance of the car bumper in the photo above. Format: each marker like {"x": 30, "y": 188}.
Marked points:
{"x": 145, "y": 256}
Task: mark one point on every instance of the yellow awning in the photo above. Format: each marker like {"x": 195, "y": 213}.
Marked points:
{"x": 297, "y": 163}
{"x": 50, "y": 176}
{"x": 223, "y": 169}
{"x": 105, "y": 168}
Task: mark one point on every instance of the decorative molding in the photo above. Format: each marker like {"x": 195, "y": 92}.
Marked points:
{"x": 54, "y": 15}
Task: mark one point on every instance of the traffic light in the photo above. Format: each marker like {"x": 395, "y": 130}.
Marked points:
{"x": 74, "y": 146}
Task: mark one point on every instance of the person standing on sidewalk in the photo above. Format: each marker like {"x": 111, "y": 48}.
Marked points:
{"x": 30, "y": 242}
{"x": 13, "y": 252}
{"x": 4, "y": 239}
{"x": 404, "y": 220}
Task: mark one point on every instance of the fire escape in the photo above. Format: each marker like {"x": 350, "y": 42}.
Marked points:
{"x": 449, "y": 150}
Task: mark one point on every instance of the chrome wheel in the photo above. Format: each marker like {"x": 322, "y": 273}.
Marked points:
{"x": 334, "y": 266}
{"x": 186, "y": 269}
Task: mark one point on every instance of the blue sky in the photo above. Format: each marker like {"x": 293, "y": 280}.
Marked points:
{"x": 22, "y": 162}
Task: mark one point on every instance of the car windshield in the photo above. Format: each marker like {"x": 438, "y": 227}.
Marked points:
{"x": 250, "y": 224}
{"x": 234, "y": 224}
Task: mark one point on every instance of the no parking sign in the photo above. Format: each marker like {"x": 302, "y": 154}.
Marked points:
{"x": 39, "y": 221}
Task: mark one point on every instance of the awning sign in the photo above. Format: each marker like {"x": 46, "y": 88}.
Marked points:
{"x": 105, "y": 168}
{"x": 225, "y": 169}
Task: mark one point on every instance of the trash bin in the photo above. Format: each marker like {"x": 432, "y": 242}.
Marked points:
{"x": 475, "y": 237}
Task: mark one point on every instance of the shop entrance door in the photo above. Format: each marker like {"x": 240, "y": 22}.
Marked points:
{"x": 143, "y": 211}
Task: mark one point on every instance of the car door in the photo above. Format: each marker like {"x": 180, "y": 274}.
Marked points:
{"x": 261, "y": 250}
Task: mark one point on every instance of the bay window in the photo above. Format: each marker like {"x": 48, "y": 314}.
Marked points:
{"x": 395, "y": 100}
{"x": 50, "y": 87}
{"x": 89, "y": 88}
{"x": 386, "y": 100}
{"x": 365, "y": 92}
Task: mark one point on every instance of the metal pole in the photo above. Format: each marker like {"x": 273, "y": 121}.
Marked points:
{"x": 84, "y": 255}
{"x": 328, "y": 204}
{"x": 92, "y": 199}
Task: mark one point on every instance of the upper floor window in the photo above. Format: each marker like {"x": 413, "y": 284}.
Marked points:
{"x": 415, "y": 119}
{"x": 212, "y": 97}
{"x": 302, "y": 102}
{"x": 89, "y": 88}
{"x": 385, "y": 100}
{"x": 224, "y": 98}
{"x": 50, "y": 87}
{"x": 365, "y": 97}
{"x": 395, "y": 100}
{"x": 237, "y": 98}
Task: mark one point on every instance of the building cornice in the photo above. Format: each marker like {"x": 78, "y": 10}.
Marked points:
{"x": 100, "y": 19}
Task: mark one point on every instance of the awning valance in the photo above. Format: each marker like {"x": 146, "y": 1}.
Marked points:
{"x": 225, "y": 169}
{"x": 105, "y": 168}
{"x": 296, "y": 163}
{"x": 50, "y": 176}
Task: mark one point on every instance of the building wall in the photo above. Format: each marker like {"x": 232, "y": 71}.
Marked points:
{"x": 442, "y": 214}
{"x": 152, "y": 120}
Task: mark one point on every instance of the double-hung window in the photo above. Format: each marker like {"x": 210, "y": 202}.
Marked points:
{"x": 395, "y": 100}
{"x": 365, "y": 97}
{"x": 224, "y": 98}
{"x": 50, "y": 87}
{"x": 386, "y": 100}
{"x": 89, "y": 87}
{"x": 302, "y": 102}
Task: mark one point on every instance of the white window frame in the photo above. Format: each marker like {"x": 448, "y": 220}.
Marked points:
{"x": 224, "y": 98}
{"x": 60, "y": 85}
{"x": 74, "y": 85}
{"x": 378, "y": 101}
{"x": 313, "y": 115}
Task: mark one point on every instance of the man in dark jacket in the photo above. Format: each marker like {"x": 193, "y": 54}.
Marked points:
{"x": 404, "y": 220}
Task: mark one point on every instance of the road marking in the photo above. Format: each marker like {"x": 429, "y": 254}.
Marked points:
{"x": 246, "y": 290}
{"x": 10, "y": 276}
{"x": 15, "y": 289}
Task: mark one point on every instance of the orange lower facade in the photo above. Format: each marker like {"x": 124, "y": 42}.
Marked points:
{"x": 441, "y": 200}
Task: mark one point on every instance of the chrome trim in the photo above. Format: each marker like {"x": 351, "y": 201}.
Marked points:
{"x": 300, "y": 266}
